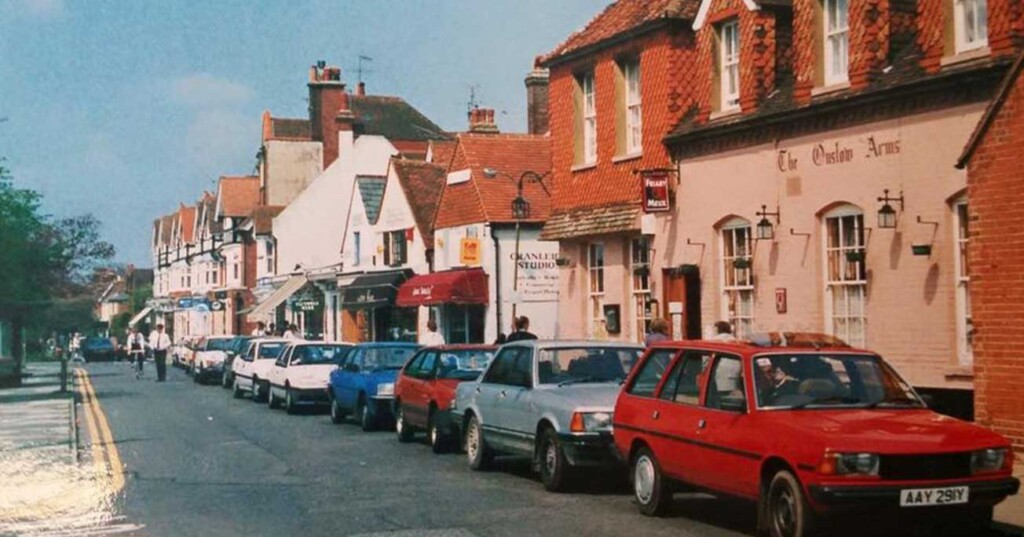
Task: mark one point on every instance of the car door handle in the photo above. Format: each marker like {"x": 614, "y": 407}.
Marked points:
{"x": 701, "y": 424}
{"x": 655, "y": 415}
{"x": 477, "y": 390}
{"x": 503, "y": 394}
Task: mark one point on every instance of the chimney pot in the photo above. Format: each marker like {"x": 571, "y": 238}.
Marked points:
{"x": 361, "y": 88}
{"x": 481, "y": 120}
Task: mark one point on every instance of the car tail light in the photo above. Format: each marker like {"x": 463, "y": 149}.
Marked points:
{"x": 576, "y": 425}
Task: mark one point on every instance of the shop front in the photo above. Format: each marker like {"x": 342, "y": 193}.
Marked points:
{"x": 271, "y": 308}
{"x": 455, "y": 299}
{"x": 306, "y": 308}
{"x": 369, "y": 311}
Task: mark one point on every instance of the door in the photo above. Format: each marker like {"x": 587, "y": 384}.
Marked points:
{"x": 491, "y": 394}
{"x": 679, "y": 402}
{"x": 279, "y": 373}
{"x": 514, "y": 403}
{"x": 346, "y": 389}
{"x": 729, "y": 448}
{"x": 421, "y": 390}
{"x": 408, "y": 385}
{"x": 682, "y": 302}
{"x": 242, "y": 367}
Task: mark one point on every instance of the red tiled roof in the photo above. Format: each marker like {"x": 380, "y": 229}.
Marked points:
{"x": 422, "y": 183}
{"x": 263, "y": 218}
{"x": 486, "y": 199}
{"x": 187, "y": 217}
{"x": 279, "y": 128}
{"x": 621, "y": 17}
{"x": 166, "y": 226}
{"x": 239, "y": 195}
{"x": 981, "y": 129}
{"x": 441, "y": 152}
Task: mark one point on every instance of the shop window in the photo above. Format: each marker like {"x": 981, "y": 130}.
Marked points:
{"x": 738, "y": 276}
{"x": 586, "y": 119}
{"x": 357, "y": 241}
{"x": 964, "y": 326}
{"x": 595, "y": 277}
{"x": 837, "y": 41}
{"x": 845, "y": 273}
{"x": 629, "y": 111}
{"x": 728, "y": 60}
{"x": 640, "y": 270}
{"x": 394, "y": 248}
{"x": 970, "y": 18}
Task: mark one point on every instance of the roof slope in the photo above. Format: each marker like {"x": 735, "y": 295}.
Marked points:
{"x": 489, "y": 199}
{"x": 289, "y": 129}
{"x": 980, "y": 130}
{"x": 620, "y": 17}
{"x": 393, "y": 118}
{"x": 238, "y": 196}
{"x": 187, "y": 217}
{"x": 371, "y": 191}
{"x": 422, "y": 183}
{"x": 263, "y": 218}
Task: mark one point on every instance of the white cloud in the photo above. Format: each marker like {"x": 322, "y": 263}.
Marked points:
{"x": 44, "y": 8}
{"x": 205, "y": 91}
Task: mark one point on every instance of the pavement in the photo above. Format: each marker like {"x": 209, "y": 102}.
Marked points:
{"x": 1010, "y": 513}
{"x": 176, "y": 458}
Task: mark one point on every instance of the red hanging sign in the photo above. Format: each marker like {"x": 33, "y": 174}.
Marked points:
{"x": 656, "y": 191}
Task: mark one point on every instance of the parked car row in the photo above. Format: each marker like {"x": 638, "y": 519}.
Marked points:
{"x": 805, "y": 427}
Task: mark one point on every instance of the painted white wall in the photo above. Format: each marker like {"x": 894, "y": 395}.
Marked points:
{"x": 309, "y": 231}
{"x": 290, "y": 167}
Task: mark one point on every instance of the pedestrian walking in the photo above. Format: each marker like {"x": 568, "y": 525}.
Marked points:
{"x": 431, "y": 338}
{"x": 292, "y": 332}
{"x": 659, "y": 332}
{"x": 260, "y": 330}
{"x": 522, "y": 330}
{"x": 136, "y": 345}
{"x": 723, "y": 332}
{"x": 159, "y": 341}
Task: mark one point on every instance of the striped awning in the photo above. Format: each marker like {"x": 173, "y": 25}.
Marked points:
{"x": 269, "y": 304}
{"x": 141, "y": 315}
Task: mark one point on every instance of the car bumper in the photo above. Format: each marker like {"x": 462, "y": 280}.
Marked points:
{"x": 381, "y": 406}
{"x": 589, "y": 449}
{"x": 882, "y": 496}
{"x": 315, "y": 396}
{"x": 212, "y": 372}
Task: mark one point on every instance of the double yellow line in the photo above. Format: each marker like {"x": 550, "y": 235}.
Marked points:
{"x": 104, "y": 451}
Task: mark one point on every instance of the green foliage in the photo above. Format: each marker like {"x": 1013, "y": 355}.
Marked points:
{"x": 139, "y": 297}
{"x": 119, "y": 325}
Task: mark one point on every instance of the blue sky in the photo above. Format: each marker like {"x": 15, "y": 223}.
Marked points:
{"x": 124, "y": 109}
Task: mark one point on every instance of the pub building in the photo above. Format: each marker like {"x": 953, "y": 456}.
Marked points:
{"x": 816, "y": 186}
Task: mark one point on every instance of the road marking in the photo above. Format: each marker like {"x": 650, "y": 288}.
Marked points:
{"x": 104, "y": 451}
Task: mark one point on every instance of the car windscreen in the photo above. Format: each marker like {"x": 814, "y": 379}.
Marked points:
{"x": 387, "y": 357}
{"x": 240, "y": 344}
{"x": 567, "y": 365}
{"x": 98, "y": 343}
{"x": 464, "y": 364}
{"x": 218, "y": 344}
{"x": 820, "y": 380}
{"x": 270, "y": 350}
{"x": 318, "y": 354}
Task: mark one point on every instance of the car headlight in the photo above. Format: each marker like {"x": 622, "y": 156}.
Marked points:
{"x": 386, "y": 388}
{"x": 583, "y": 422}
{"x": 863, "y": 464}
{"x": 989, "y": 460}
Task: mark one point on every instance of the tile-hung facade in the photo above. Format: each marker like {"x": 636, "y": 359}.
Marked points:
{"x": 817, "y": 188}
{"x": 996, "y": 258}
{"x": 616, "y": 89}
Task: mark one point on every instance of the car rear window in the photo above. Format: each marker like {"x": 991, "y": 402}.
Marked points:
{"x": 271, "y": 350}
{"x": 651, "y": 372}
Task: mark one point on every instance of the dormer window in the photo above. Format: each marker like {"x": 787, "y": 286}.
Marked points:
{"x": 971, "y": 22}
{"x": 837, "y": 41}
{"x": 729, "y": 65}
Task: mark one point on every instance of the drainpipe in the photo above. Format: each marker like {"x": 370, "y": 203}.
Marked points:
{"x": 497, "y": 278}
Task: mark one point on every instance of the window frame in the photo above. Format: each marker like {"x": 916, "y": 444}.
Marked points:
{"x": 857, "y": 283}
{"x": 716, "y": 361}
{"x": 676, "y": 372}
{"x": 588, "y": 118}
{"x": 962, "y": 275}
{"x": 832, "y": 36}
{"x": 640, "y": 286}
{"x": 729, "y": 63}
{"x": 961, "y": 42}
{"x": 733, "y": 293}
{"x": 672, "y": 353}
{"x": 595, "y": 294}
{"x": 633, "y": 102}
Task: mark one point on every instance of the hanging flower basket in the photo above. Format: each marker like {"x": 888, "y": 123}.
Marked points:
{"x": 855, "y": 256}
{"x": 921, "y": 249}
{"x": 563, "y": 261}
{"x": 741, "y": 263}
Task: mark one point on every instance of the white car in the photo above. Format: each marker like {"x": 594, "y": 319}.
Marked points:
{"x": 251, "y": 368}
{"x": 208, "y": 364}
{"x": 301, "y": 373}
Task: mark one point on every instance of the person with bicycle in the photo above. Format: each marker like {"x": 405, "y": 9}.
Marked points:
{"x": 136, "y": 345}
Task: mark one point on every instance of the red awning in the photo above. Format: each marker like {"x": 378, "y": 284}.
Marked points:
{"x": 463, "y": 286}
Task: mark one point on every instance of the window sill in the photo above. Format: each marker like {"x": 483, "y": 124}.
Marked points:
{"x": 724, "y": 113}
{"x": 966, "y": 56}
{"x": 583, "y": 167}
{"x": 627, "y": 158}
{"x": 959, "y": 373}
{"x": 830, "y": 89}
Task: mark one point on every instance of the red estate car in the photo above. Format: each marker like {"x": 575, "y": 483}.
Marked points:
{"x": 425, "y": 390}
{"x": 806, "y": 428}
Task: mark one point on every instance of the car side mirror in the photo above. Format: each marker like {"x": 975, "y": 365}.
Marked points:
{"x": 733, "y": 404}
{"x": 352, "y": 368}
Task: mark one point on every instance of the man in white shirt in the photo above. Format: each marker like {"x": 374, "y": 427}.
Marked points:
{"x": 723, "y": 332}
{"x": 292, "y": 332}
{"x": 260, "y": 330}
{"x": 159, "y": 341}
{"x": 431, "y": 338}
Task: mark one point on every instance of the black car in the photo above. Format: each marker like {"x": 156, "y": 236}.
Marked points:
{"x": 238, "y": 346}
{"x": 97, "y": 348}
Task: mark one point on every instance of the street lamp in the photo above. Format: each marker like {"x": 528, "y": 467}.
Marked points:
{"x": 765, "y": 230}
{"x": 887, "y": 214}
{"x": 520, "y": 212}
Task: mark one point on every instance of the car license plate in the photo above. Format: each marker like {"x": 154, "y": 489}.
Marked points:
{"x": 936, "y": 496}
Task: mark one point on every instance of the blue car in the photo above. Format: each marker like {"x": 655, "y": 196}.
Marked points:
{"x": 364, "y": 383}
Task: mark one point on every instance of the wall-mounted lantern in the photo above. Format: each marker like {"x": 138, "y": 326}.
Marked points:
{"x": 765, "y": 229}
{"x": 887, "y": 216}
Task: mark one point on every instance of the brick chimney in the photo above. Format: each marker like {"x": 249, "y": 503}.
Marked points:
{"x": 481, "y": 121}
{"x": 326, "y": 92}
{"x": 537, "y": 101}
{"x": 344, "y": 125}
{"x": 361, "y": 88}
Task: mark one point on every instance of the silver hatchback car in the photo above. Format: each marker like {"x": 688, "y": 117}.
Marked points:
{"x": 549, "y": 400}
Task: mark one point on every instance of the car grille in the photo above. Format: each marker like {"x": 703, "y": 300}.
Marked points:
{"x": 908, "y": 467}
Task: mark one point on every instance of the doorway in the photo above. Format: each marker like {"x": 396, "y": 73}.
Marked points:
{"x": 682, "y": 301}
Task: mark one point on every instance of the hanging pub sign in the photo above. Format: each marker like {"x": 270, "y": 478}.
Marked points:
{"x": 656, "y": 191}
{"x": 469, "y": 252}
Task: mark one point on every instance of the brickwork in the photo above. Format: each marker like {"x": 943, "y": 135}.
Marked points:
{"x": 997, "y": 269}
